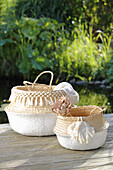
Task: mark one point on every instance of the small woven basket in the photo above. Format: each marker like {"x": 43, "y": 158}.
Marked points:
{"x": 30, "y": 111}
{"x": 84, "y": 128}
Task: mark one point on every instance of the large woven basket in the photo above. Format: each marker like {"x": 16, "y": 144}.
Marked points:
{"x": 30, "y": 111}
{"x": 83, "y": 128}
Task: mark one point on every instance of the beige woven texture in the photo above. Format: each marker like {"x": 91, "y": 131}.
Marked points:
{"x": 93, "y": 115}
{"x": 34, "y": 98}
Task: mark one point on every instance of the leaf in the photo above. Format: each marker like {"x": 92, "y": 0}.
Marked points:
{"x": 30, "y": 32}
{"x": 38, "y": 43}
{"x": 40, "y": 24}
{"x": 41, "y": 63}
{"x": 111, "y": 84}
{"x": 29, "y": 21}
{"x": 25, "y": 67}
{"x": 36, "y": 65}
{"x": 2, "y": 42}
{"x": 50, "y": 26}
{"x": 110, "y": 78}
{"x": 45, "y": 35}
{"x": 30, "y": 51}
{"x": 80, "y": 77}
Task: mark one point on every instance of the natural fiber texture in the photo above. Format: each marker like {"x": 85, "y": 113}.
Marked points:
{"x": 32, "y": 101}
{"x": 30, "y": 110}
{"x": 34, "y": 98}
{"x": 91, "y": 114}
{"x": 27, "y": 109}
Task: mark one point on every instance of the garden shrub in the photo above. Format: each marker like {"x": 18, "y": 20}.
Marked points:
{"x": 64, "y": 11}
{"x": 40, "y": 42}
{"x": 32, "y": 45}
{"x": 84, "y": 58}
{"x": 110, "y": 72}
{"x": 36, "y": 35}
{"x": 97, "y": 13}
{"x": 8, "y": 49}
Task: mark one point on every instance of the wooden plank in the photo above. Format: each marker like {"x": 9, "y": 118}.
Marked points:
{"x": 32, "y": 153}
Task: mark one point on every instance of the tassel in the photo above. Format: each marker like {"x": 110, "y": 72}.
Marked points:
{"x": 80, "y": 131}
{"x": 31, "y": 101}
{"x": 27, "y": 102}
{"x": 46, "y": 101}
{"x": 50, "y": 101}
{"x": 55, "y": 99}
{"x": 41, "y": 102}
{"x": 17, "y": 100}
{"x": 14, "y": 100}
{"x": 23, "y": 101}
{"x": 36, "y": 101}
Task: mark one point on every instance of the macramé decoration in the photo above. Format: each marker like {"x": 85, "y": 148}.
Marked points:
{"x": 81, "y": 131}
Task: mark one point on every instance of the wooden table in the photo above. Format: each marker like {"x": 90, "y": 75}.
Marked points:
{"x": 45, "y": 153}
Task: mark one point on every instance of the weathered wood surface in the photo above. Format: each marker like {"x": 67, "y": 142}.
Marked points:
{"x": 45, "y": 153}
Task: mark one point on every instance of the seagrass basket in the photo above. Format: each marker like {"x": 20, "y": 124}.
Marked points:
{"x": 84, "y": 128}
{"x": 30, "y": 111}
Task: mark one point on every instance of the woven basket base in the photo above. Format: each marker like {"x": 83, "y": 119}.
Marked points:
{"x": 32, "y": 125}
{"x": 97, "y": 140}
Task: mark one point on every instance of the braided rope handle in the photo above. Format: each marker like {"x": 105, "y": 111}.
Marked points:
{"x": 104, "y": 108}
{"x": 25, "y": 83}
{"x": 50, "y": 84}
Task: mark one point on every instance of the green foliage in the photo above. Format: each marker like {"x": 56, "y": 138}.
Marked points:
{"x": 64, "y": 11}
{"x": 7, "y": 52}
{"x": 33, "y": 37}
{"x": 36, "y": 42}
{"x": 97, "y": 13}
{"x": 105, "y": 53}
{"x": 110, "y": 72}
{"x": 90, "y": 97}
{"x": 85, "y": 58}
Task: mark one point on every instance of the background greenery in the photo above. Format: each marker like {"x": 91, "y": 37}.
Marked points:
{"x": 70, "y": 37}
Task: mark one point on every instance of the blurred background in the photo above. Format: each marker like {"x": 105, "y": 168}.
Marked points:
{"x": 72, "y": 38}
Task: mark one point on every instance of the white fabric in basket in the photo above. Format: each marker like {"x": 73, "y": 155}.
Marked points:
{"x": 71, "y": 94}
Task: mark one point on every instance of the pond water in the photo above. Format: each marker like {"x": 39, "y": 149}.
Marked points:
{"x": 89, "y": 95}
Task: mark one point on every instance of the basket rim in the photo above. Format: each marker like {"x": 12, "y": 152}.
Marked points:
{"x": 15, "y": 88}
{"x": 78, "y": 107}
